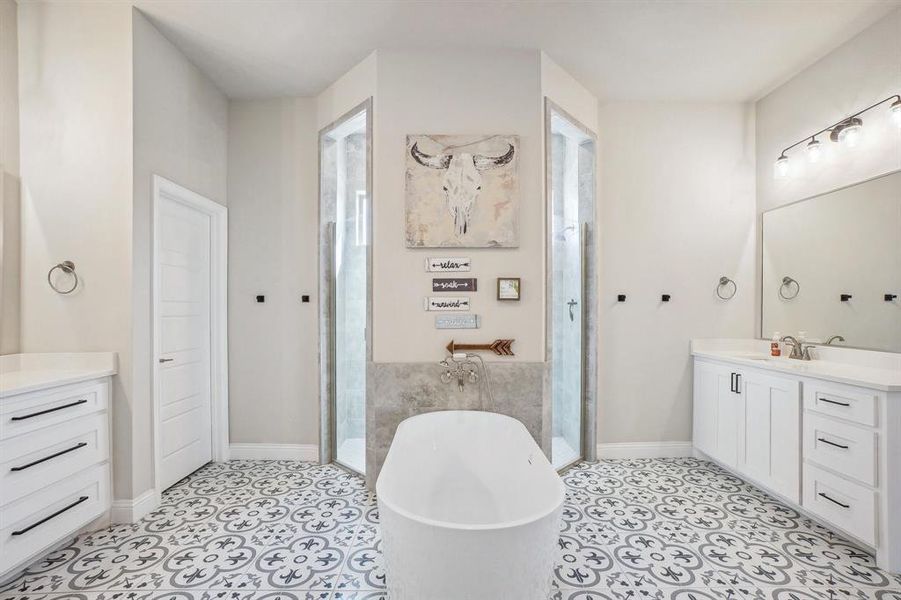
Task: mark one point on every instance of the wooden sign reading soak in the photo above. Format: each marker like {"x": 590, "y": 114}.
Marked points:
{"x": 433, "y": 303}
{"x": 457, "y": 321}
{"x": 454, "y": 285}
{"x": 447, "y": 265}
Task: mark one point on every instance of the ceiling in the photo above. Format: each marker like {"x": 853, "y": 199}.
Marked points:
{"x": 676, "y": 50}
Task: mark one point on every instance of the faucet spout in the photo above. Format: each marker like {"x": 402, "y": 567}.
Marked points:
{"x": 797, "y": 351}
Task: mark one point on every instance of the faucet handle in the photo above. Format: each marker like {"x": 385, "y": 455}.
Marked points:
{"x": 805, "y": 351}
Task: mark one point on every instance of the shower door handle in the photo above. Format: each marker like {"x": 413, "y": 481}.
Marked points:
{"x": 572, "y": 303}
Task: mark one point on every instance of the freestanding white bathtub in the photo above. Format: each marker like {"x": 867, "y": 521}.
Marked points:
{"x": 469, "y": 508}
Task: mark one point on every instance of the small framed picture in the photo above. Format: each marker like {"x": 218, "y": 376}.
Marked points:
{"x": 508, "y": 288}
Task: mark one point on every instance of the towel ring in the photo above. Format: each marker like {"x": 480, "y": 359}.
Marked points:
{"x": 786, "y": 282}
{"x": 724, "y": 281}
{"x": 68, "y": 267}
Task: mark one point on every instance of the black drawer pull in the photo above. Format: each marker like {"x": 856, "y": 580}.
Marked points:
{"x": 49, "y": 410}
{"x": 60, "y": 453}
{"x": 47, "y": 518}
{"x": 825, "y": 441}
{"x": 835, "y": 402}
{"x": 834, "y": 501}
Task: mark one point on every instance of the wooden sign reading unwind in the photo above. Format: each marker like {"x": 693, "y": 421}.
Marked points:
{"x": 447, "y": 265}
{"x": 454, "y": 285}
{"x": 433, "y": 303}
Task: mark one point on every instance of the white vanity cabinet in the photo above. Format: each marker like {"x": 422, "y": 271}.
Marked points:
{"x": 54, "y": 462}
{"x": 824, "y": 436}
{"x": 749, "y": 420}
{"x": 841, "y": 456}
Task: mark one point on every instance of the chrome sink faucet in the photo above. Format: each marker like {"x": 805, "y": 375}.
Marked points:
{"x": 797, "y": 351}
{"x": 835, "y": 338}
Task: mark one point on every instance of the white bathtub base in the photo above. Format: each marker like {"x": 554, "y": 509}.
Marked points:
{"x": 469, "y": 508}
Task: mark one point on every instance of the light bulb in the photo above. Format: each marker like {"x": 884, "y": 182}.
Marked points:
{"x": 782, "y": 167}
{"x": 814, "y": 150}
{"x": 896, "y": 112}
{"x": 847, "y": 132}
{"x": 850, "y": 136}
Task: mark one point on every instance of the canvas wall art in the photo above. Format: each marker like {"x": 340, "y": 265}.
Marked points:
{"x": 462, "y": 191}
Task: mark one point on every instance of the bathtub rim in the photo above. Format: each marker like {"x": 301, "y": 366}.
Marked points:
{"x": 561, "y": 489}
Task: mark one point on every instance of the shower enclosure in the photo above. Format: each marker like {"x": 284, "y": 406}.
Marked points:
{"x": 571, "y": 166}
{"x": 344, "y": 207}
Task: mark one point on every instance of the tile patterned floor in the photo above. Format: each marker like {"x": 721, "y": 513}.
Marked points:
{"x": 675, "y": 529}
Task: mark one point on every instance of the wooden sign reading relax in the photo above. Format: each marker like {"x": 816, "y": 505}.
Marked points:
{"x": 499, "y": 347}
{"x": 447, "y": 265}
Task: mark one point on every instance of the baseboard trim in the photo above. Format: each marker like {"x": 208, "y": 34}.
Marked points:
{"x": 646, "y": 450}
{"x": 306, "y": 452}
{"x": 131, "y": 511}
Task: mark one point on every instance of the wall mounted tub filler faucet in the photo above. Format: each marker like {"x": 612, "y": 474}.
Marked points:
{"x": 797, "y": 350}
{"x": 459, "y": 369}
{"x": 835, "y": 338}
{"x": 462, "y": 366}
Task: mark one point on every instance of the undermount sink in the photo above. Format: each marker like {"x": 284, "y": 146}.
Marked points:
{"x": 772, "y": 359}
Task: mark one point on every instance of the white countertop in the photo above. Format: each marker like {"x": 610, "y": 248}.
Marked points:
{"x": 20, "y": 373}
{"x": 876, "y": 370}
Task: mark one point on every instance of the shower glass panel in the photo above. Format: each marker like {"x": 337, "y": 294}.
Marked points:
{"x": 344, "y": 203}
{"x": 571, "y": 185}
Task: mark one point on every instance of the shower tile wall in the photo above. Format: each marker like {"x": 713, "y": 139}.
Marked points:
{"x": 396, "y": 391}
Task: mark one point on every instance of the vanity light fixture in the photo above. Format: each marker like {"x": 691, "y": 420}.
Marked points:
{"x": 846, "y": 132}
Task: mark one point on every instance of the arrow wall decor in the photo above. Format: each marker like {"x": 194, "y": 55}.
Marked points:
{"x": 499, "y": 347}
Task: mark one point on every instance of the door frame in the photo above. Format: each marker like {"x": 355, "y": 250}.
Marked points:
{"x": 327, "y": 398}
{"x": 589, "y": 307}
{"x": 218, "y": 214}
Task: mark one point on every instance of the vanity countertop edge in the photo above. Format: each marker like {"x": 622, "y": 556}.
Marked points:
{"x": 24, "y": 373}
{"x": 755, "y": 354}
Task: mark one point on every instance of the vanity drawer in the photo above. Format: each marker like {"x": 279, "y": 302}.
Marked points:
{"x": 843, "y": 401}
{"x": 48, "y": 455}
{"x": 845, "y": 504}
{"x": 844, "y": 448}
{"x": 29, "y": 412}
{"x": 37, "y": 522}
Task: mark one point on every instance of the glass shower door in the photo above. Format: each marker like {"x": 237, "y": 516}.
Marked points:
{"x": 571, "y": 156}
{"x": 344, "y": 204}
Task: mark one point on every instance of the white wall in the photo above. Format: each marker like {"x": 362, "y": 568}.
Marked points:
{"x": 75, "y": 67}
{"x": 862, "y": 71}
{"x": 459, "y": 92}
{"x": 181, "y": 133}
{"x": 9, "y": 179}
{"x": 348, "y": 91}
{"x": 105, "y": 102}
{"x": 676, "y": 213}
{"x": 273, "y": 250}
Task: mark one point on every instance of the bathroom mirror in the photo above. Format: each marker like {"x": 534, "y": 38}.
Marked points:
{"x": 831, "y": 266}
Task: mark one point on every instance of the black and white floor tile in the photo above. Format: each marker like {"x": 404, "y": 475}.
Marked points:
{"x": 667, "y": 529}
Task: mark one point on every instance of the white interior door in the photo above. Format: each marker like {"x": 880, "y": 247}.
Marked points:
{"x": 182, "y": 326}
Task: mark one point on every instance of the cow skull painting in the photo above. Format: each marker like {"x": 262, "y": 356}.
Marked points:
{"x": 462, "y": 191}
